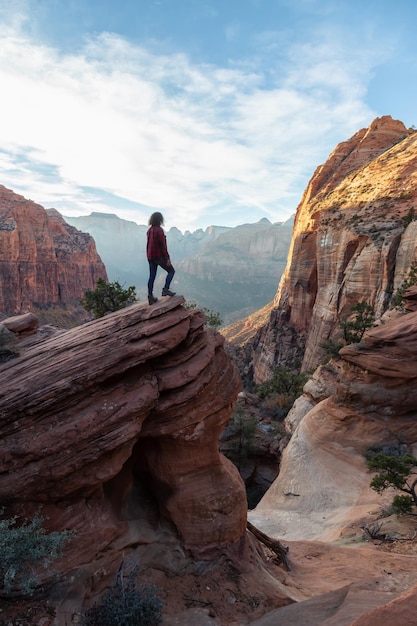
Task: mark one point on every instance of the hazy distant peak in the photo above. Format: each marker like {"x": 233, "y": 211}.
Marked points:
{"x": 111, "y": 216}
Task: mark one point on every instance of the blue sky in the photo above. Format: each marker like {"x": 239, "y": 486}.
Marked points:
{"x": 211, "y": 111}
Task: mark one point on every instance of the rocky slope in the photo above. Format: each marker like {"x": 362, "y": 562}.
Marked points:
{"x": 123, "y": 450}
{"x": 322, "y": 498}
{"x": 44, "y": 262}
{"x": 354, "y": 240}
{"x": 111, "y": 429}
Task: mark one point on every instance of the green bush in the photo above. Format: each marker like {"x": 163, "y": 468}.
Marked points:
{"x": 24, "y": 545}
{"x": 284, "y": 383}
{"x": 398, "y": 472}
{"x": 398, "y": 298}
{"x": 331, "y": 349}
{"x": 410, "y": 217}
{"x": 126, "y": 604}
{"x": 213, "y": 318}
{"x": 402, "y": 504}
{"x": 360, "y": 318}
{"x": 242, "y": 427}
{"x": 108, "y": 297}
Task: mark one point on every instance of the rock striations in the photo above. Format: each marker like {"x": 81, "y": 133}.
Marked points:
{"x": 354, "y": 240}
{"x": 111, "y": 429}
{"x": 322, "y": 498}
{"x": 44, "y": 262}
{"x": 147, "y": 387}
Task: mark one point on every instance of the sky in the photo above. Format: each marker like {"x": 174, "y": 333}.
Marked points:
{"x": 214, "y": 112}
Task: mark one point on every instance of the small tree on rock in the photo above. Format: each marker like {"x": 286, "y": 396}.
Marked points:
{"x": 398, "y": 472}
{"x": 243, "y": 429}
{"x": 361, "y": 317}
{"x": 108, "y": 297}
{"x": 213, "y": 318}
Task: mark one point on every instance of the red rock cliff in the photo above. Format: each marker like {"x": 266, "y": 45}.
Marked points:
{"x": 351, "y": 242}
{"x": 43, "y": 260}
{"x": 147, "y": 384}
{"x": 111, "y": 429}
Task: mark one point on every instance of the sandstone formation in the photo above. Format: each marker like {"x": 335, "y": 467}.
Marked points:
{"x": 111, "y": 429}
{"x": 322, "y": 494}
{"x": 354, "y": 240}
{"x": 140, "y": 384}
{"x": 44, "y": 262}
{"x": 22, "y": 325}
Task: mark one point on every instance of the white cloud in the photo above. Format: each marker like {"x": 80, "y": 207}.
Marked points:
{"x": 168, "y": 134}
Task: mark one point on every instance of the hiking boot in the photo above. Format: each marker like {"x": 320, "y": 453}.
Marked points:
{"x": 167, "y": 292}
{"x": 152, "y": 299}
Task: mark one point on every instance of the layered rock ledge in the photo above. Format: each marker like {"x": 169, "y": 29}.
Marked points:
{"x": 139, "y": 396}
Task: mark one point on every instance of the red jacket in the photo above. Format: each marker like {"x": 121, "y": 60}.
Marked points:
{"x": 156, "y": 247}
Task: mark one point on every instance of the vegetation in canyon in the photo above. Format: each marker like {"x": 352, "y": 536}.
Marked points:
{"x": 24, "y": 546}
{"x": 126, "y": 603}
{"x": 108, "y": 297}
{"x": 398, "y": 472}
{"x": 213, "y": 318}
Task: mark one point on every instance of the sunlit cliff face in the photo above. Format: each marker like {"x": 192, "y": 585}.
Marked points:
{"x": 43, "y": 261}
{"x": 353, "y": 240}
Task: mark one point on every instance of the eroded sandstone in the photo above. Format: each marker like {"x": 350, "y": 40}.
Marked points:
{"x": 322, "y": 494}
{"x": 111, "y": 430}
{"x": 354, "y": 240}
{"x": 44, "y": 262}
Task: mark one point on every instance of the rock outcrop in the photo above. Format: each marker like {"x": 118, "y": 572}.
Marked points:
{"x": 44, "y": 262}
{"x": 146, "y": 385}
{"x": 111, "y": 430}
{"x": 354, "y": 240}
{"x": 322, "y": 496}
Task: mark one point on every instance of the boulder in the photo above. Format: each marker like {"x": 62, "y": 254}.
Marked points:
{"x": 22, "y": 325}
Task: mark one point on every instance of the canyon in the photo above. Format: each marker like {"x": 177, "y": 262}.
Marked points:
{"x": 232, "y": 271}
{"x": 354, "y": 240}
{"x": 124, "y": 449}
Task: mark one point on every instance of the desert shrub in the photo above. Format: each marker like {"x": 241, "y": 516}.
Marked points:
{"x": 242, "y": 428}
{"x": 126, "y": 604}
{"x": 213, "y": 318}
{"x": 410, "y": 217}
{"x": 286, "y": 385}
{"x": 360, "y": 318}
{"x": 108, "y": 297}
{"x": 373, "y": 531}
{"x": 277, "y": 402}
{"x": 331, "y": 349}
{"x": 23, "y": 545}
{"x": 397, "y": 299}
{"x": 402, "y": 504}
{"x": 398, "y": 472}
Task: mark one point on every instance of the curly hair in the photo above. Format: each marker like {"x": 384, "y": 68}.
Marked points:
{"x": 156, "y": 219}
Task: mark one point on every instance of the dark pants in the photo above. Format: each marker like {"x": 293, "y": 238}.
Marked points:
{"x": 153, "y": 266}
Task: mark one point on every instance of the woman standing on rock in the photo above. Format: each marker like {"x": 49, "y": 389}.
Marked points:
{"x": 157, "y": 253}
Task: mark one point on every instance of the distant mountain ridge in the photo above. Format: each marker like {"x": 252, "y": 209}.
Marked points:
{"x": 234, "y": 271}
